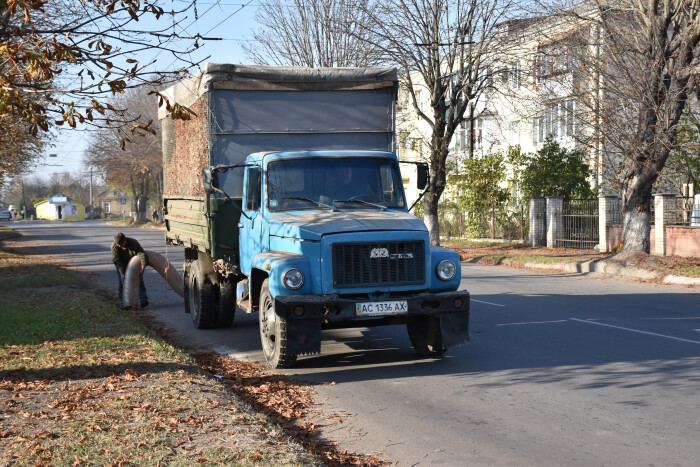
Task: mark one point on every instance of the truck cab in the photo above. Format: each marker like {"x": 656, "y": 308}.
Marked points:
{"x": 326, "y": 240}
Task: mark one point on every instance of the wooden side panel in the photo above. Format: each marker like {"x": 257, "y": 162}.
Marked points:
{"x": 186, "y": 222}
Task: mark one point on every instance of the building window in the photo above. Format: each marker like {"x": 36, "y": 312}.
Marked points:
{"x": 538, "y": 130}
{"x": 558, "y": 120}
{"x": 514, "y": 133}
{"x": 478, "y": 130}
{"x": 568, "y": 106}
{"x": 554, "y": 119}
{"x": 489, "y": 80}
{"x": 106, "y": 208}
{"x": 515, "y": 75}
{"x": 461, "y": 137}
{"x": 417, "y": 146}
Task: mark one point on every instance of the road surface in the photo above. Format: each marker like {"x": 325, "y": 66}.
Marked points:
{"x": 562, "y": 369}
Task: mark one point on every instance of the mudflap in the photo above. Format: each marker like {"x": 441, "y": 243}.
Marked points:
{"x": 455, "y": 328}
{"x": 303, "y": 336}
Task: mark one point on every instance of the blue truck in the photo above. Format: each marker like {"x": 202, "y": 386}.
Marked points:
{"x": 283, "y": 186}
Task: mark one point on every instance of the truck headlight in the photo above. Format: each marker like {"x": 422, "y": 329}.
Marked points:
{"x": 293, "y": 278}
{"x": 446, "y": 270}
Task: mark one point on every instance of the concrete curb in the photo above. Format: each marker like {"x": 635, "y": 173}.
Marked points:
{"x": 604, "y": 268}
{"x": 682, "y": 280}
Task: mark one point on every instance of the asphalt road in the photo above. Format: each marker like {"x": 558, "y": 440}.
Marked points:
{"x": 562, "y": 369}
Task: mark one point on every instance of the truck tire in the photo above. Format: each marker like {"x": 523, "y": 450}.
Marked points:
{"x": 225, "y": 303}
{"x": 202, "y": 299}
{"x": 273, "y": 332}
{"x": 186, "y": 282}
{"x": 426, "y": 336}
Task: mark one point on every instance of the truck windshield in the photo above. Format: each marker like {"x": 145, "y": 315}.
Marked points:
{"x": 328, "y": 182}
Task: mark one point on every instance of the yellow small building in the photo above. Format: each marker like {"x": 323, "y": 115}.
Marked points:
{"x": 60, "y": 207}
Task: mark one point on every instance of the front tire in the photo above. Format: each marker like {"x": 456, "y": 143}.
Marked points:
{"x": 273, "y": 332}
{"x": 426, "y": 336}
{"x": 202, "y": 299}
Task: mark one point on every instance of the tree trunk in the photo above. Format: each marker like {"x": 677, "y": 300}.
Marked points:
{"x": 141, "y": 209}
{"x": 430, "y": 216}
{"x": 636, "y": 232}
{"x": 636, "y": 208}
{"x": 438, "y": 156}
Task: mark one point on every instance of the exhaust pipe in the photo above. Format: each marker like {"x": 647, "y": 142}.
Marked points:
{"x": 160, "y": 264}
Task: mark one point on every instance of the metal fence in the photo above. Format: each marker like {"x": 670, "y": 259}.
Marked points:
{"x": 615, "y": 212}
{"x": 681, "y": 212}
{"x": 505, "y": 222}
{"x": 580, "y": 222}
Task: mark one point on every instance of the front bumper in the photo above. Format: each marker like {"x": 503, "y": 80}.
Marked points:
{"x": 333, "y": 311}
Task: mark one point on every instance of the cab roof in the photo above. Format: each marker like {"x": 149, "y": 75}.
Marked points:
{"x": 259, "y": 156}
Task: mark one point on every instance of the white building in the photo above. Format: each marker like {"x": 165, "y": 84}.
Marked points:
{"x": 535, "y": 87}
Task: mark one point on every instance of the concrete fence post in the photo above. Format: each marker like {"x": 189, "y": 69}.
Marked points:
{"x": 606, "y": 213}
{"x": 555, "y": 210}
{"x": 537, "y": 220}
{"x": 662, "y": 204}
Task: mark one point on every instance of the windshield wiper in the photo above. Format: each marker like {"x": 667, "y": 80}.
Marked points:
{"x": 361, "y": 201}
{"x": 317, "y": 203}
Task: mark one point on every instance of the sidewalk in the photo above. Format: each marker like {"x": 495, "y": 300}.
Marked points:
{"x": 659, "y": 269}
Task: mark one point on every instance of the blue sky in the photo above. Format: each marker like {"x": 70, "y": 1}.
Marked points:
{"x": 230, "y": 20}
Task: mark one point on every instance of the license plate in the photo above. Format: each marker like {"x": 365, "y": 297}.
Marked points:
{"x": 381, "y": 308}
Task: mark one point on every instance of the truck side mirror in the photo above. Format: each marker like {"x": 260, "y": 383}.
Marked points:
{"x": 423, "y": 175}
{"x": 210, "y": 179}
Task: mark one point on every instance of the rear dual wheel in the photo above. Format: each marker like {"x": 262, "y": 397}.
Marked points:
{"x": 186, "y": 282}
{"x": 202, "y": 299}
{"x": 225, "y": 303}
{"x": 209, "y": 305}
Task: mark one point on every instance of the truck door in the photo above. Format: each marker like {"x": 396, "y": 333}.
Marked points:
{"x": 251, "y": 229}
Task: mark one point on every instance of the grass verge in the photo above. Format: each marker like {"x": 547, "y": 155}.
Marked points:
{"x": 84, "y": 383}
{"x": 521, "y": 260}
{"x": 6, "y": 233}
{"x": 459, "y": 242}
{"x": 516, "y": 256}
{"x": 686, "y": 271}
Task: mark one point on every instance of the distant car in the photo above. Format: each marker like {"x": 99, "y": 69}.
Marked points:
{"x": 5, "y": 216}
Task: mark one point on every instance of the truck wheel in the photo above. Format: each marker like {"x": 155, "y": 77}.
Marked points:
{"x": 273, "y": 332}
{"x": 201, "y": 298}
{"x": 186, "y": 282}
{"x": 426, "y": 336}
{"x": 225, "y": 303}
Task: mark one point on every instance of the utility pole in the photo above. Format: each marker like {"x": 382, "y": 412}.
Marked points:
{"x": 92, "y": 210}
{"x": 24, "y": 203}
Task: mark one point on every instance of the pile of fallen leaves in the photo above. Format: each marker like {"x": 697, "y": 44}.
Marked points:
{"x": 286, "y": 400}
{"x": 134, "y": 418}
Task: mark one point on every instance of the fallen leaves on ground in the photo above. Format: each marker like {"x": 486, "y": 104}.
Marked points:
{"x": 286, "y": 400}
{"x": 494, "y": 254}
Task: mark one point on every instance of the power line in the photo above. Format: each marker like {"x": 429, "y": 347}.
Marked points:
{"x": 229, "y": 16}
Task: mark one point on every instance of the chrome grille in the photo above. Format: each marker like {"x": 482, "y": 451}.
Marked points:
{"x": 378, "y": 263}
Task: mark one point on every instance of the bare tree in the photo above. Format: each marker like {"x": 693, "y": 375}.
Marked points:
{"x": 442, "y": 47}
{"x": 137, "y": 166}
{"x": 642, "y": 58}
{"x": 312, "y": 33}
